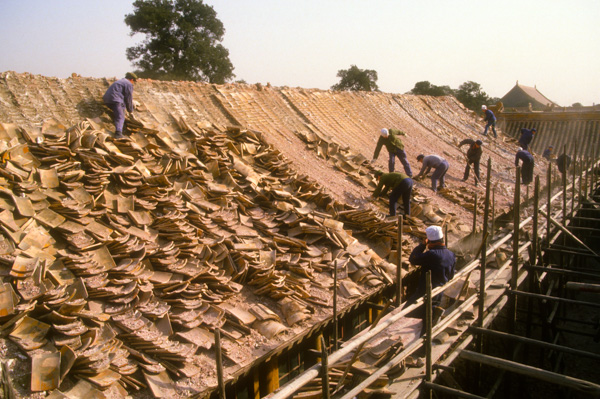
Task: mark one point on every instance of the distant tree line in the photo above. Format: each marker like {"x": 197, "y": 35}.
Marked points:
{"x": 469, "y": 93}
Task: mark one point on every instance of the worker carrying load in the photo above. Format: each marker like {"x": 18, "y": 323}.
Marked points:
{"x": 440, "y": 167}
{"x": 473, "y": 158}
{"x": 391, "y": 139}
{"x": 401, "y": 186}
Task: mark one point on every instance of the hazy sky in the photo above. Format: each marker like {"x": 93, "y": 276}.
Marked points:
{"x": 551, "y": 44}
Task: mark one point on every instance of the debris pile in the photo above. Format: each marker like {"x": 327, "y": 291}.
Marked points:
{"x": 119, "y": 258}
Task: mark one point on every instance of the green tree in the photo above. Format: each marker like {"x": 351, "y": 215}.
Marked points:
{"x": 471, "y": 95}
{"x": 356, "y": 79}
{"x": 427, "y": 89}
{"x": 182, "y": 41}
{"x": 577, "y": 105}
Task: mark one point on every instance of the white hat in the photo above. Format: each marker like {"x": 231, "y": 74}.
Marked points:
{"x": 384, "y": 132}
{"x": 483, "y": 107}
{"x": 434, "y": 233}
{"x": 520, "y": 149}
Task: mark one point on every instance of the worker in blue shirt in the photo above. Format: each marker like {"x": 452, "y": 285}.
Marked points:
{"x": 433, "y": 256}
{"x": 440, "y": 167}
{"x": 527, "y": 165}
{"x": 119, "y": 97}
{"x": 526, "y": 137}
{"x": 490, "y": 120}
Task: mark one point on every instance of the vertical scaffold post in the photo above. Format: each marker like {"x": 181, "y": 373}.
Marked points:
{"x": 548, "y": 204}
{"x": 575, "y": 156}
{"x": 515, "y": 261}
{"x": 335, "y": 318}
{"x": 399, "y": 259}
{"x": 475, "y": 214}
{"x": 324, "y": 370}
{"x": 564, "y": 191}
{"x": 493, "y": 214}
{"x": 486, "y": 212}
{"x": 534, "y": 251}
{"x": 428, "y": 328}
{"x": 219, "y": 358}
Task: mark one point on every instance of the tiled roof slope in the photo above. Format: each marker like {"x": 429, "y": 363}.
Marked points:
{"x": 201, "y": 215}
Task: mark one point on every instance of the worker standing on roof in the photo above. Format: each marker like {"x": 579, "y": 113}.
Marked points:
{"x": 119, "y": 97}
{"x": 473, "y": 157}
{"x": 438, "y": 260}
{"x": 549, "y": 153}
{"x": 440, "y": 167}
{"x": 391, "y": 139}
{"x": 401, "y": 186}
{"x": 490, "y": 120}
{"x": 563, "y": 162}
{"x": 526, "y": 137}
{"x": 527, "y": 165}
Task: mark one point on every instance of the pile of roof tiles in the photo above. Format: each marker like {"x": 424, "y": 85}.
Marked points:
{"x": 118, "y": 259}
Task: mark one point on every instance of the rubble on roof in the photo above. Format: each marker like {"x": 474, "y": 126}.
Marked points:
{"x": 120, "y": 257}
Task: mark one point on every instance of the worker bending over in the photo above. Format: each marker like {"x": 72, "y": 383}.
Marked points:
{"x": 438, "y": 164}
{"x": 391, "y": 139}
{"x": 473, "y": 158}
{"x": 401, "y": 186}
{"x": 527, "y": 165}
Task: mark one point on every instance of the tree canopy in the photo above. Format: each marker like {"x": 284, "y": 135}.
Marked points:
{"x": 356, "y": 79}
{"x": 426, "y": 88}
{"x": 182, "y": 41}
{"x": 469, "y": 93}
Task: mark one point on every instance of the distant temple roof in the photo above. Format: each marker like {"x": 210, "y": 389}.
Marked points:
{"x": 521, "y": 96}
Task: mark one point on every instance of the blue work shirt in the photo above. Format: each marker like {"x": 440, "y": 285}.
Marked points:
{"x": 439, "y": 260}
{"x": 524, "y": 156}
{"x": 526, "y": 137}
{"x": 489, "y": 116}
{"x": 120, "y": 92}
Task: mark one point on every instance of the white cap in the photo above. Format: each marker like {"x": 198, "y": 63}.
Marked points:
{"x": 520, "y": 149}
{"x": 483, "y": 107}
{"x": 434, "y": 233}
{"x": 384, "y": 132}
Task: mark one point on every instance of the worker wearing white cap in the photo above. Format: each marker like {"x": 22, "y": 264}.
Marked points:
{"x": 490, "y": 120}
{"x": 438, "y": 260}
{"x": 391, "y": 139}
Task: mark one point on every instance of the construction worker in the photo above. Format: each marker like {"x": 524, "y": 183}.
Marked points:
{"x": 527, "y": 165}
{"x": 391, "y": 139}
{"x": 526, "y": 137}
{"x": 401, "y": 186}
{"x": 490, "y": 120}
{"x": 563, "y": 162}
{"x": 473, "y": 157}
{"x": 440, "y": 167}
{"x": 438, "y": 260}
{"x": 119, "y": 97}
{"x": 549, "y": 153}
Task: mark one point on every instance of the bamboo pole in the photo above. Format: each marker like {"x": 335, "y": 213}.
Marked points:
{"x": 428, "y": 329}
{"x": 324, "y": 370}
{"x": 335, "y": 318}
{"x": 475, "y": 214}
{"x": 543, "y": 375}
{"x": 515, "y": 260}
{"x": 567, "y": 232}
{"x": 219, "y": 358}
{"x": 531, "y": 341}
{"x": 399, "y": 258}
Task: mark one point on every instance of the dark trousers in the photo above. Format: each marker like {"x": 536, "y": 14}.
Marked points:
{"x": 118, "y": 110}
{"x": 404, "y": 190}
{"x": 475, "y": 169}
{"x": 402, "y": 157}
{"x": 439, "y": 174}
{"x": 527, "y": 172}
{"x": 493, "y": 125}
